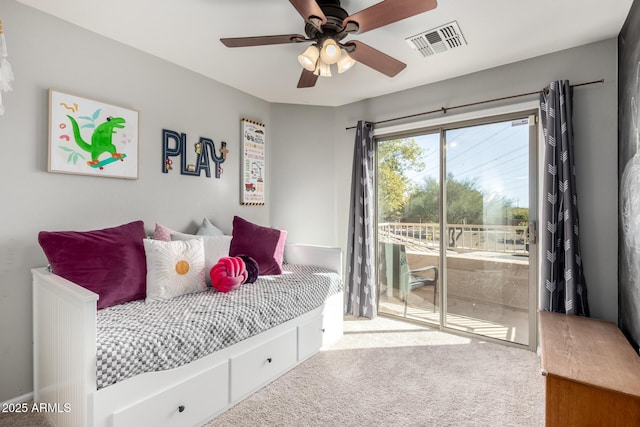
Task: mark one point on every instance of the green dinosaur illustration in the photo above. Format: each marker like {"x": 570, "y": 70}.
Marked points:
{"x": 101, "y": 140}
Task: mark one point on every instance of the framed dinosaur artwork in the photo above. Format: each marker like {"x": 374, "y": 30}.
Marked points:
{"x": 89, "y": 137}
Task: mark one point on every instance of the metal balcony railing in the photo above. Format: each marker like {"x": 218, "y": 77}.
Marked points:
{"x": 506, "y": 239}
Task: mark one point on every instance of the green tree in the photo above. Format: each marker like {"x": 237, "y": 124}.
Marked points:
{"x": 498, "y": 209}
{"x": 521, "y": 214}
{"x": 396, "y": 158}
{"x": 466, "y": 204}
{"x": 424, "y": 203}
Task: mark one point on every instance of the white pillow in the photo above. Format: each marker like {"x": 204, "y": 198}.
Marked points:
{"x": 174, "y": 268}
{"x": 208, "y": 229}
{"x": 215, "y": 247}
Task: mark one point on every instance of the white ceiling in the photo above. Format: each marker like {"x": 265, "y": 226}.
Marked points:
{"x": 187, "y": 33}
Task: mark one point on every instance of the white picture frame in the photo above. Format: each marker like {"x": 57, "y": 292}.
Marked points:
{"x": 90, "y": 137}
{"x": 252, "y": 163}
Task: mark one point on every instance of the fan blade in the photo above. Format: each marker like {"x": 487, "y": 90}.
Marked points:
{"x": 307, "y": 79}
{"x": 387, "y": 12}
{"x": 375, "y": 59}
{"x": 263, "y": 40}
{"x": 310, "y": 12}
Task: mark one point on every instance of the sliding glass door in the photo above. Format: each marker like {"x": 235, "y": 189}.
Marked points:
{"x": 454, "y": 211}
{"x": 409, "y": 226}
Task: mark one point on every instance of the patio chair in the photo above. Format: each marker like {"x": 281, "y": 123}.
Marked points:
{"x": 396, "y": 273}
{"x": 417, "y": 278}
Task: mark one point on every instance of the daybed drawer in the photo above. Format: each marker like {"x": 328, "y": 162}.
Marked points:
{"x": 188, "y": 403}
{"x": 309, "y": 338}
{"x": 258, "y": 366}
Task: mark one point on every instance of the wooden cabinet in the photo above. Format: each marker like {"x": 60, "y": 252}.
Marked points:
{"x": 592, "y": 372}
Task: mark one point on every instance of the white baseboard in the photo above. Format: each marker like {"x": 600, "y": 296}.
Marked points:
{"x": 19, "y": 399}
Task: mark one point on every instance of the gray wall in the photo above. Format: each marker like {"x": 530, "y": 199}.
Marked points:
{"x": 595, "y": 129}
{"x": 309, "y": 156}
{"x": 46, "y": 52}
{"x": 304, "y": 173}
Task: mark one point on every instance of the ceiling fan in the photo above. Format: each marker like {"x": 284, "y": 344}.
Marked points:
{"x": 327, "y": 24}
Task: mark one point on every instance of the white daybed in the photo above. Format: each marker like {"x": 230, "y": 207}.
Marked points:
{"x": 64, "y": 331}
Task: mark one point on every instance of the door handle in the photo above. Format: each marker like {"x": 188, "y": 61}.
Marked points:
{"x": 532, "y": 232}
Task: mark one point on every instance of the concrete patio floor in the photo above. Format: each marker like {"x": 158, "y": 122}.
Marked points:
{"x": 488, "y": 294}
{"x": 494, "y": 321}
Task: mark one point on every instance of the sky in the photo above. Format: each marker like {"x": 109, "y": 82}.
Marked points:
{"x": 496, "y": 155}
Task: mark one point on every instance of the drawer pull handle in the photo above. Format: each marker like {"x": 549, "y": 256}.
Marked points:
{"x": 181, "y": 408}
{"x": 322, "y": 330}
{"x": 269, "y": 359}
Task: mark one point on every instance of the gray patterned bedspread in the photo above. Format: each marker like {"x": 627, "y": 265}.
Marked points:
{"x": 136, "y": 337}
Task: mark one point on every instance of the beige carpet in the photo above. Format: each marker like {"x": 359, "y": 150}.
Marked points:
{"x": 14, "y": 419}
{"x": 389, "y": 373}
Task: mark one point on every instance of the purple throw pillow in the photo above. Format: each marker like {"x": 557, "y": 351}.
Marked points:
{"x": 252, "y": 268}
{"x": 110, "y": 262}
{"x": 265, "y": 245}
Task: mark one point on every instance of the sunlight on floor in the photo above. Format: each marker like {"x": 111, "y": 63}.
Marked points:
{"x": 385, "y": 332}
{"x": 506, "y": 332}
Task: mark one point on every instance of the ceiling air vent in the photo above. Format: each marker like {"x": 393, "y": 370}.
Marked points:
{"x": 438, "y": 40}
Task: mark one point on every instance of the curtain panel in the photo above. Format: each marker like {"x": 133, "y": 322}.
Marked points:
{"x": 360, "y": 295}
{"x": 563, "y": 286}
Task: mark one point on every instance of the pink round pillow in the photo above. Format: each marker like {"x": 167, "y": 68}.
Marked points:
{"x": 228, "y": 273}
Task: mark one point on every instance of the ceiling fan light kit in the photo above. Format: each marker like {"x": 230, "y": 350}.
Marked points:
{"x": 320, "y": 63}
{"x": 345, "y": 62}
{"x": 330, "y": 52}
{"x": 322, "y": 69}
{"x": 326, "y": 24}
{"x": 309, "y": 58}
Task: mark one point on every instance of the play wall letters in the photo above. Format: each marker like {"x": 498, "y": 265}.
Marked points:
{"x": 205, "y": 151}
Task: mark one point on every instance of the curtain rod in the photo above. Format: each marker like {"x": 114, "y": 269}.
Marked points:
{"x": 445, "y": 109}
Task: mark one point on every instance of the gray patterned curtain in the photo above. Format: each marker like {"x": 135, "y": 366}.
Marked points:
{"x": 360, "y": 297}
{"x": 563, "y": 288}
